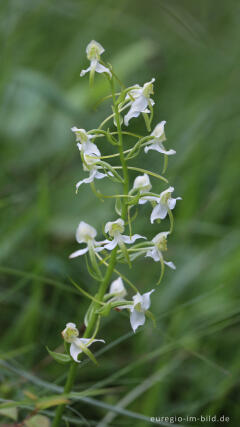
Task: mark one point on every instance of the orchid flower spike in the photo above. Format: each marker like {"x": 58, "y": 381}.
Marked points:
{"x": 141, "y": 304}
{"x": 94, "y": 50}
{"x": 143, "y": 185}
{"x": 159, "y": 246}
{"x": 117, "y": 290}
{"x": 86, "y": 234}
{"x": 165, "y": 202}
{"x": 158, "y": 138}
{"x": 78, "y": 345}
{"x": 140, "y": 100}
{"x": 115, "y": 230}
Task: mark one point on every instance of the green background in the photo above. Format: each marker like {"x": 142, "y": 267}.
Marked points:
{"x": 188, "y": 364}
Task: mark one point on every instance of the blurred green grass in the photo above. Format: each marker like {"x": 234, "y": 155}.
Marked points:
{"x": 193, "y": 50}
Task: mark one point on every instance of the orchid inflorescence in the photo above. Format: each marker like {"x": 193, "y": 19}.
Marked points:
{"x": 118, "y": 243}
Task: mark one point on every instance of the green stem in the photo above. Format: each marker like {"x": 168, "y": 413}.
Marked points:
{"x": 110, "y": 269}
{"x": 121, "y": 152}
{"x": 67, "y": 389}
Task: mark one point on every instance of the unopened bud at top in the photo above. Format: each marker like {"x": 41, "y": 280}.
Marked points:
{"x": 94, "y": 50}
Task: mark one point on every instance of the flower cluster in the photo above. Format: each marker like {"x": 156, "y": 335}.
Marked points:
{"x": 118, "y": 245}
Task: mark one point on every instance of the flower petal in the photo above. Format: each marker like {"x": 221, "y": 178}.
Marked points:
{"x": 132, "y": 113}
{"x": 100, "y": 175}
{"x": 75, "y": 351}
{"x": 171, "y": 203}
{"x": 83, "y": 72}
{"x": 98, "y": 248}
{"x": 88, "y": 148}
{"x": 146, "y": 300}
{"x": 158, "y": 131}
{"x": 79, "y": 253}
{"x": 111, "y": 245}
{"x": 129, "y": 240}
{"x": 101, "y": 69}
{"x": 142, "y": 201}
{"x": 159, "y": 211}
{"x": 154, "y": 254}
{"x": 87, "y": 180}
{"x": 160, "y": 148}
{"x": 170, "y": 264}
{"x": 117, "y": 288}
{"x": 140, "y": 104}
{"x": 85, "y": 341}
{"x": 136, "y": 319}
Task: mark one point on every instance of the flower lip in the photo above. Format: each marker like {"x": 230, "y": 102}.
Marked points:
{"x": 141, "y": 304}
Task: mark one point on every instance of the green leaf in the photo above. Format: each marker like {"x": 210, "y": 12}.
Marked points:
{"x": 48, "y": 402}
{"x": 37, "y": 421}
{"x": 10, "y": 413}
{"x": 59, "y": 357}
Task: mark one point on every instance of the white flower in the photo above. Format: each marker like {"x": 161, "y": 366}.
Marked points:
{"x": 140, "y": 100}
{"x": 159, "y": 246}
{"x": 165, "y": 202}
{"x": 141, "y": 304}
{"x": 117, "y": 290}
{"x": 86, "y": 234}
{"x": 94, "y": 50}
{"x": 84, "y": 141}
{"x": 115, "y": 230}
{"x": 143, "y": 185}
{"x": 89, "y": 164}
{"x": 70, "y": 335}
{"x": 158, "y": 138}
